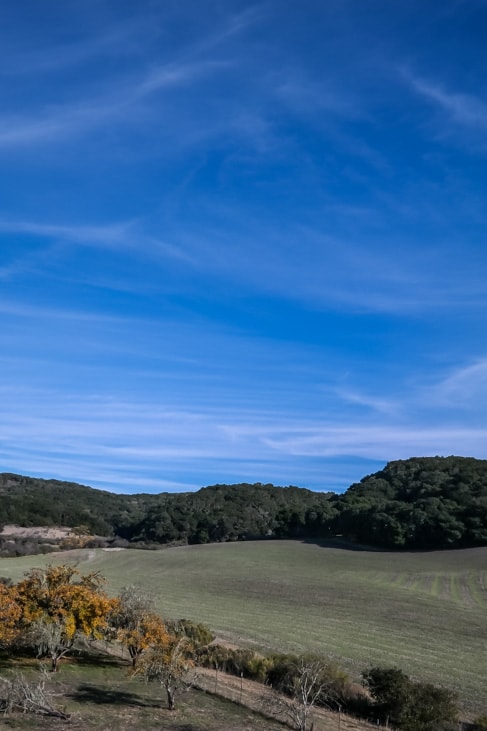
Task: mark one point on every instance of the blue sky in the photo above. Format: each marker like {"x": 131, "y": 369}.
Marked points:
{"x": 241, "y": 241}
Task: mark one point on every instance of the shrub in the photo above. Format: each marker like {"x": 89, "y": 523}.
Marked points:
{"x": 407, "y": 704}
{"x": 199, "y": 634}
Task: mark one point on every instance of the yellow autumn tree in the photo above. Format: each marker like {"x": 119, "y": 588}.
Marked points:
{"x": 58, "y": 605}
{"x": 136, "y": 623}
{"x": 149, "y": 630}
{"x": 10, "y": 614}
{"x": 169, "y": 662}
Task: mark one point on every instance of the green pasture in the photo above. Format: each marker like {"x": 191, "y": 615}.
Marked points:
{"x": 423, "y": 612}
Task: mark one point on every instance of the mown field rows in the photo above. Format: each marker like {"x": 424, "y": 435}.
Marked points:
{"x": 423, "y": 612}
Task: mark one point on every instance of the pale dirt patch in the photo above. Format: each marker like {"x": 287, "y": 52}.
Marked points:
{"x": 117, "y": 548}
{"x": 55, "y": 534}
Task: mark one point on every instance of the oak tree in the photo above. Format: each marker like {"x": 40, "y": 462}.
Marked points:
{"x": 169, "y": 662}
{"x": 136, "y": 624}
{"x": 58, "y": 605}
{"x": 10, "y": 614}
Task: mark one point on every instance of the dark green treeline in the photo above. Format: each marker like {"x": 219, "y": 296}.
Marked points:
{"x": 420, "y": 503}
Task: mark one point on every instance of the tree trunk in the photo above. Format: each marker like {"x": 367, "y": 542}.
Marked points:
{"x": 170, "y": 699}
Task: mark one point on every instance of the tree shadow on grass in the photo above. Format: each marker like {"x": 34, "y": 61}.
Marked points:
{"x": 87, "y": 693}
{"x": 24, "y": 659}
{"x": 18, "y": 661}
{"x": 342, "y": 544}
{"x": 100, "y": 659}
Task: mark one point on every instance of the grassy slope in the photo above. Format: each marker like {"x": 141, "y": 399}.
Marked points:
{"x": 423, "y": 612}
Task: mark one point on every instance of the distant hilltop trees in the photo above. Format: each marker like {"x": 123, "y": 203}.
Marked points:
{"x": 421, "y": 503}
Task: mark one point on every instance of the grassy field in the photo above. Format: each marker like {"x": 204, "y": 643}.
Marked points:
{"x": 423, "y": 612}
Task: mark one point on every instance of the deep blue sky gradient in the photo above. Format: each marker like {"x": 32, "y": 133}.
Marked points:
{"x": 241, "y": 241}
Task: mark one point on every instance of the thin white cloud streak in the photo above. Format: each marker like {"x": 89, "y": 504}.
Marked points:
{"x": 322, "y": 269}
{"x": 377, "y": 404}
{"x": 37, "y": 313}
{"x": 464, "y": 387}
{"x": 96, "y": 473}
{"x": 123, "y": 40}
{"x": 124, "y": 102}
{"x": 71, "y": 119}
{"x": 174, "y": 75}
{"x": 383, "y": 442}
{"x": 125, "y": 237}
{"x": 332, "y": 270}
{"x": 63, "y": 121}
{"x": 134, "y": 434}
{"x": 108, "y": 236}
{"x": 202, "y": 347}
{"x": 146, "y": 477}
{"x": 21, "y": 59}
{"x": 463, "y": 109}
{"x": 306, "y": 97}
{"x": 371, "y": 443}
{"x": 237, "y": 24}
{"x": 458, "y": 113}
{"x": 230, "y": 436}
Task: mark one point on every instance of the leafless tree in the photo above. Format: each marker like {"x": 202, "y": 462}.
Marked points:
{"x": 50, "y": 639}
{"x": 307, "y": 685}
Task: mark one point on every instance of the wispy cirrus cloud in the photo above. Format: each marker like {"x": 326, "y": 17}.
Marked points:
{"x": 305, "y": 96}
{"x": 374, "y": 403}
{"x": 335, "y": 270}
{"x": 122, "y": 38}
{"x": 316, "y": 268}
{"x": 21, "y": 59}
{"x": 465, "y": 110}
{"x": 127, "y": 95}
{"x": 464, "y": 387}
{"x": 65, "y": 120}
{"x": 146, "y": 439}
{"x": 237, "y": 23}
{"x": 107, "y": 236}
{"x": 382, "y": 442}
{"x": 117, "y": 238}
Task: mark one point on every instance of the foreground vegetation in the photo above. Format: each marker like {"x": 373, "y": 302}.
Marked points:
{"x": 422, "y": 612}
{"x": 98, "y": 693}
{"x": 420, "y": 503}
{"x": 52, "y": 610}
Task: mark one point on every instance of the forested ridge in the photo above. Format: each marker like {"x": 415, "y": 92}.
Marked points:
{"x": 419, "y": 503}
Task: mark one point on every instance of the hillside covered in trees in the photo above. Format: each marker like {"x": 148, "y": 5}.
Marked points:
{"x": 419, "y": 503}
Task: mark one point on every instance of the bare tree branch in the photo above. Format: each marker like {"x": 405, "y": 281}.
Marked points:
{"x": 20, "y": 695}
